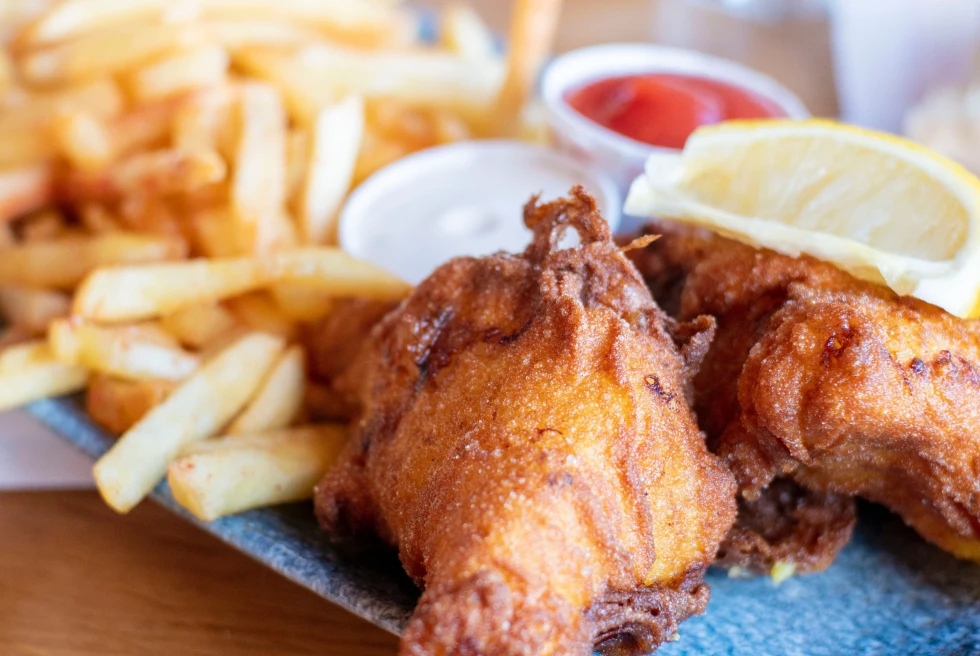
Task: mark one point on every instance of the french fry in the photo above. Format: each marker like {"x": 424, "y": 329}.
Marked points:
{"x": 232, "y": 474}
{"x": 73, "y": 17}
{"x": 83, "y": 140}
{"x": 179, "y": 73}
{"x": 143, "y": 292}
{"x": 297, "y": 157}
{"x": 64, "y": 262}
{"x": 337, "y": 135}
{"x": 25, "y": 190}
{"x": 279, "y": 400}
{"x": 150, "y": 214}
{"x": 300, "y": 304}
{"x": 534, "y": 24}
{"x": 377, "y": 152}
{"x": 301, "y": 94}
{"x": 423, "y": 77}
{"x": 146, "y": 127}
{"x": 258, "y": 312}
{"x": 245, "y": 33}
{"x": 258, "y": 185}
{"x": 117, "y": 404}
{"x": 214, "y": 232}
{"x": 204, "y": 121}
{"x": 106, "y": 52}
{"x": 128, "y": 352}
{"x": 198, "y": 325}
{"x": 363, "y": 24}
{"x": 33, "y": 309}
{"x": 465, "y": 33}
{"x": 27, "y": 148}
{"x": 194, "y": 411}
{"x": 152, "y": 173}
{"x": 44, "y": 377}
{"x": 101, "y": 98}
{"x": 14, "y": 359}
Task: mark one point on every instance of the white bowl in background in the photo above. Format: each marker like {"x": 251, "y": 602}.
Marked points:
{"x": 618, "y": 156}
{"x": 461, "y": 199}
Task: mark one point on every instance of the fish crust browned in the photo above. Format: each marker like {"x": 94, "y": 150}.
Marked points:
{"x": 526, "y": 443}
{"x": 838, "y": 384}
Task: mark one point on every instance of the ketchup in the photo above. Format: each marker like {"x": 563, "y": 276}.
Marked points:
{"x": 663, "y": 109}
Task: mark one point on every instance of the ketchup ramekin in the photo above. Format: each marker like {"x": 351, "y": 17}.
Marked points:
{"x": 618, "y": 156}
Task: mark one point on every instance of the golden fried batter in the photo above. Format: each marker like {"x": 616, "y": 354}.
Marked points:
{"x": 841, "y": 385}
{"x": 526, "y": 444}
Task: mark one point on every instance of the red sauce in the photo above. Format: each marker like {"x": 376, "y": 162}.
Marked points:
{"x": 663, "y": 109}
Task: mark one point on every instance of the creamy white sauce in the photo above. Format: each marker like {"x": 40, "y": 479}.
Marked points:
{"x": 464, "y": 199}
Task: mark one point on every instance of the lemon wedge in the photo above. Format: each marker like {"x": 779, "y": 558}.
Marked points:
{"x": 883, "y": 208}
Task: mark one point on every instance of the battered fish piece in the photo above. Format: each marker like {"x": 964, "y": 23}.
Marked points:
{"x": 526, "y": 444}
{"x": 841, "y": 385}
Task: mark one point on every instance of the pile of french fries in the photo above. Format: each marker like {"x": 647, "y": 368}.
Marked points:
{"x": 171, "y": 173}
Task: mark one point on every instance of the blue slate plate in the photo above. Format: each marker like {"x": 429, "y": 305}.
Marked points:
{"x": 889, "y": 593}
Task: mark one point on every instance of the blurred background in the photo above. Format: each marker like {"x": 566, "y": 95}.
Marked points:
{"x": 903, "y": 66}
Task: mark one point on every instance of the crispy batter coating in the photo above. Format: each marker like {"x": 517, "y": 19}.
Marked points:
{"x": 526, "y": 444}
{"x": 840, "y": 384}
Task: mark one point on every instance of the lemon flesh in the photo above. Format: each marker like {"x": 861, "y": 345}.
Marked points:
{"x": 883, "y": 208}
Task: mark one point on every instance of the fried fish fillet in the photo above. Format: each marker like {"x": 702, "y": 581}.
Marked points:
{"x": 840, "y": 385}
{"x": 526, "y": 444}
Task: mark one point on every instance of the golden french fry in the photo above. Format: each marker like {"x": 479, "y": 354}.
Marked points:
{"x": 198, "y": 325}
{"x": 152, "y": 173}
{"x": 214, "y": 232}
{"x": 117, "y": 404}
{"x": 64, "y": 262}
{"x": 8, "y": 76}
{"x": 143, "y": 292}
{"x": 73, "y": 17}
{"x": 297, "y": 157}
{"x": 363, "y": 24}
{"x": 25, "y": 190}
{"x": 377, "y": 152}
{"x": 33, "y": 309}
{"x": 106, "y": 52}
{"x": 244, "y": 33}
{"x": 534, "y": 24}
{"x": 101, "y": 98}
{"x": 44, "y": 377}
{"x": 179, "y": 73}
{"x": 300, "y": 304}
{"x": 279, "y": 400}
{"x": 129, "y": 352}
{"x": 258, "y": 312}
{"x": 146, "y": 127}
{"x": 418, "y": 77}
{"x": 204, "y": 121}
{"x": 232, "y": 474}
{"x": 19, "y": 357}
{"x": 258, "y": 185}
{"x": 83, "y": 140}
{"x": 465, "y": 33}
{"x": 303, "y": 96}
{"x": 27, "y": 148}
{"x": 195, "y": 410}
{"x": 337, "y": 136}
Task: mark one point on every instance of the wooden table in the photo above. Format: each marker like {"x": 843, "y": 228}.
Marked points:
{"x": 77, "y": 580}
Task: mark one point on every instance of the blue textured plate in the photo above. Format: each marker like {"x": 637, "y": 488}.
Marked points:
{"x": 889, "y": 593}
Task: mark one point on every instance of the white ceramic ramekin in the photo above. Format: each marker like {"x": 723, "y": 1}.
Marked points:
{"x": 620, "y": 157}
